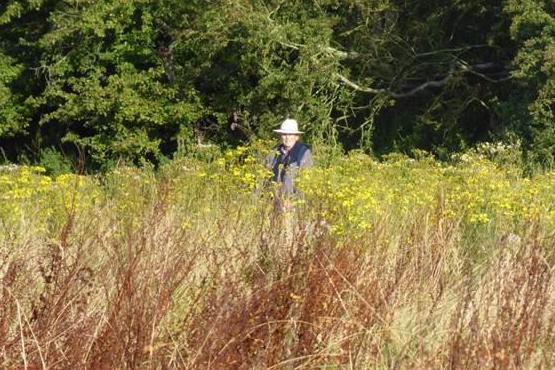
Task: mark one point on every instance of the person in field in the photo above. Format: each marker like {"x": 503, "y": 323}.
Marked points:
{"x": 285, "y": 161}
{"x": 289, "y": 157}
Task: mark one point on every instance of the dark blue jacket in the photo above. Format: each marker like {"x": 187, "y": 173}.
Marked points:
{"x": 285, "y": 165}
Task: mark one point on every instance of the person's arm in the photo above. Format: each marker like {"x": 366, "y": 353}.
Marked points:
{"x": 306, "y": 160}
{"x": 271, "y": 164}
{"x": 269, "y": 161}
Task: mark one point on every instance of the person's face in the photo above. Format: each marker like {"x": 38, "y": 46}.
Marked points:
{"x": 288, "y": 140}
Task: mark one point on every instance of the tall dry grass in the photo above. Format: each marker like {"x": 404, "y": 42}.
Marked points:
{"x": 242, "y": 287}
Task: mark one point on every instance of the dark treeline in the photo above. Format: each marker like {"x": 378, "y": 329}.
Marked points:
{"x": 139, "y": 80}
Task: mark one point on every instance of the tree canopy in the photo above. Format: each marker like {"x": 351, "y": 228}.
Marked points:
{"x": 138, "y": 80}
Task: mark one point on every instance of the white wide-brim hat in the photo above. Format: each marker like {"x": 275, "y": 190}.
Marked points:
{"x": 289, "y": 126}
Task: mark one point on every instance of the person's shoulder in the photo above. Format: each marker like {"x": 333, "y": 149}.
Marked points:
{"x": 304, "y": 146}
{"x": 308, "y": 150}
{"x": 303, "y": 150}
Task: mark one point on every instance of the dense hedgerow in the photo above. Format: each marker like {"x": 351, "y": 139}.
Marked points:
{"x": 406, "y": 263}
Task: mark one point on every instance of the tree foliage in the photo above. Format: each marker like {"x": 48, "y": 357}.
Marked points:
{"x": 138, "y": 79}
{"x": 533, "y": 28}
{"x": 11, "y": 118}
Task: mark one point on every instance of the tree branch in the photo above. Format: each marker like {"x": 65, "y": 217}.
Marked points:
{"x": 464, "y": 68}
{"x": 356, "y": 87}
{"x": 452, "y": 50}
{"x": 426, "y": 85}
{"x": 354, "y": 55}
{"x": 342, "y": 54}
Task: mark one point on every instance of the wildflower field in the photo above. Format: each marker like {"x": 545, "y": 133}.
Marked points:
{"x": 393, "y": 264}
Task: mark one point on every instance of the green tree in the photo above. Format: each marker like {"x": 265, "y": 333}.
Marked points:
{"x": 427, "y": 74}
{"x": 107, "y": 83}
{"x": 264, "y": 60}
{"x": 530, "y": 108}
{"x": 100, "y": 78}
{"x": 129, "y": 79}
{"x": 12, "y": 119}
